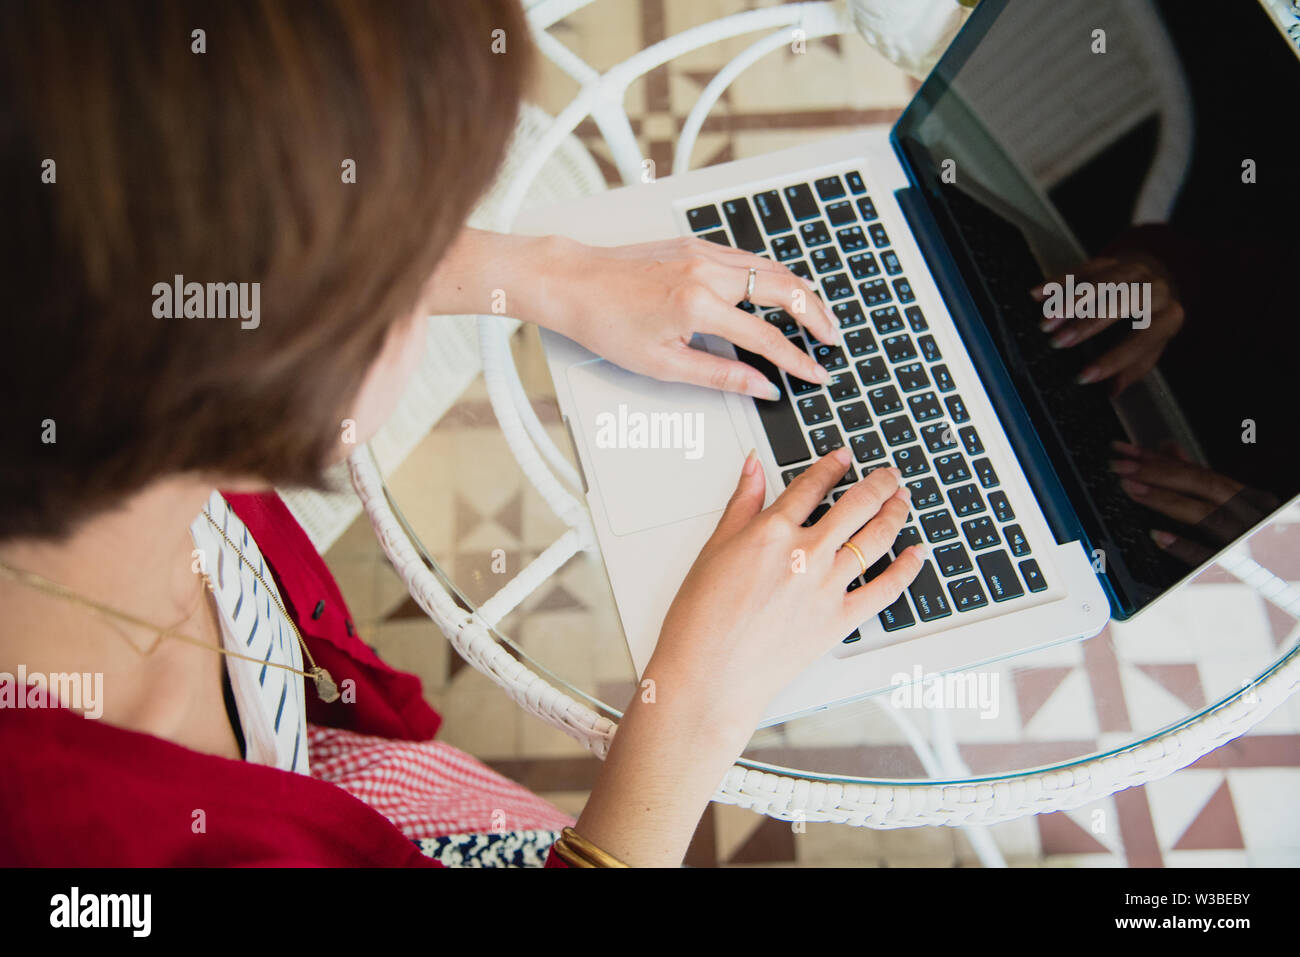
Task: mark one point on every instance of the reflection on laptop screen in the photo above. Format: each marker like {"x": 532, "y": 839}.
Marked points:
{"x": 1145, "y": 148}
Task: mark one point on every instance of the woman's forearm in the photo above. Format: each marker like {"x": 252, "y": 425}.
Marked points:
{"x": 486, "y": 273}
{"x": 668, "y": 757}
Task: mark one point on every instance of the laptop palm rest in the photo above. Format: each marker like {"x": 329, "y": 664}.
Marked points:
{"x": 657, "y": 453}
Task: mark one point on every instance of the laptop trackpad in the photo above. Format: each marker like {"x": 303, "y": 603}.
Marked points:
{"x": 659, "y": 452}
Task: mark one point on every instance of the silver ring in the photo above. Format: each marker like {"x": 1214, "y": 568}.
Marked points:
{"x": 749, "y": 286}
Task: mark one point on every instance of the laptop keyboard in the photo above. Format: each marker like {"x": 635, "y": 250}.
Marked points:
{"x": 891, "y": 398}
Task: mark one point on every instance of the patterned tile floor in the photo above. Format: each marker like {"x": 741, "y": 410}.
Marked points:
{"x": 1234, "y": 807}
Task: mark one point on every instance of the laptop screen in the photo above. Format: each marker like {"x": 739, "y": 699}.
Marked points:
{"x": 1138, "y": 158}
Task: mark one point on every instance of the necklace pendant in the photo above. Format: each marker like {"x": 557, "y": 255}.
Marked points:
{"x": 326, "y": 689}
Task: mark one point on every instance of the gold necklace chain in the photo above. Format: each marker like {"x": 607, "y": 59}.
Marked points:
{"x": 326, "y": 689}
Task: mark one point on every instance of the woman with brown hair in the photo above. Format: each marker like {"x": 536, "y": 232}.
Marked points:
{"x": 314, "y": 163}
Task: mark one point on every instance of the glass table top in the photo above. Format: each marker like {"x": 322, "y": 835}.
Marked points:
{"x": 1208, "y": 642}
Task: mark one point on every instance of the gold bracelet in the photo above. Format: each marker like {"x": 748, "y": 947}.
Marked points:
{"x": 576, "y": 851}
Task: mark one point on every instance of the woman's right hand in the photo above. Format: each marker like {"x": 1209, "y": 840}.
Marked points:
{"x": 767, "y": 596}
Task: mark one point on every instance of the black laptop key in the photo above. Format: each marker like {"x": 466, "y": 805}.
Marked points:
{"x": 872, "y": 371}
{"x": 801, "y": 201}
{"x": 879, "y": 238}
{"x": 938, "y": 436}
{"x": 830, "y": 357}
{"x": 971, "y": 439}
{"x": 863, "y": 265}
{"x": 966, "y": 501}
{"x": 826, "y": 440}
{"x": 854, "y": 417}
{"x": 829, "y": 188}
{"x": 1033, "y": 577}
{"x": 952, "y": 468}
{"x": 849, "y": 315}
{"x": 789, "y": 475}
{"x": 886, "y": 320}
{"x": 898, "y": 430}
{"x": 771, "y": 212}
{"x": 837, "y": 287}
{"x": 851, "y": 239}
{"x": 855, "y": 635}
{"x": 903, "y": 291}
{"x": 999, "y": 575}
{"x": 867, "y": 209}
{"x": 840, "y": 213}
{"x": 748, "y": 307}
{"x": 814, "y": 233}
{"x": 718, "y": 236}
{"x": 898, "y": 615}
{"x": 899, "y": 348}
{"x": 892, "y": 266}
{"x": 943, "y": 379}
{"x": 924, "y": 407}
{"x": 927, "y": 591}
{"x": 860, "y": 342}
{"x": 800, "y": 269}
{"x": 984, "y": 472}
{"x": 967, "y": 594}
{"x": 874, "y": 292}
{"x": 908, "y": 536}
{"x": 780, "y": 423}
{"x": 885, "y": 400}
{"x": 938, "y": 526}
{"x": 799, "y": 387}
{"x": 911, "y": 461}
{"x": 980, "y": 533}
{"x": 826, "y": 260}
{"x": 1001, "y": 507}
{"x": 703, "y": 217}
{"x": 743, "y": 227}
{"x": 843, "y": 387}
{"x": 956, "y": 408}
{"x": 1016, "y": 540}
{"x": 783, "y": 321}
{"x": 912, "y": 377}
{"x": 925, "y": 493}
{"x": 816, "y": 515}
{"x": 929, "y": 349}
{"x": 952, "y": 559}
{"x": 866, "y": 446}
{"x": 814, "y": 409}
{"x": 786, "y": 248}
{"x": 916, "y": 318}
{"x": 854, "y": 179}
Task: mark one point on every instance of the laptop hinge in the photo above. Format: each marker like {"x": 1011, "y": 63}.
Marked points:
{"x": 1033, "y": 457}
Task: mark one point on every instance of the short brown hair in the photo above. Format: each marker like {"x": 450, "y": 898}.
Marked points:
{"x": 223, "y": 165}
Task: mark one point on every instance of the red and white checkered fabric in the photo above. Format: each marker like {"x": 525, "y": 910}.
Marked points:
{"x": 427, "y": 788}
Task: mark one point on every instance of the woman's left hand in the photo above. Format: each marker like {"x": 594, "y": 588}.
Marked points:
{"x": 639, "y": 306}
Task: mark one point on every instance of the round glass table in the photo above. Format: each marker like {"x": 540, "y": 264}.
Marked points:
{"x": 1051, "y": 728}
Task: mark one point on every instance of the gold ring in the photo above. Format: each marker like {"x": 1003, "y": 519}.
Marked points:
{"x": 749, "y": 286}
{"x": 857, "y": 551}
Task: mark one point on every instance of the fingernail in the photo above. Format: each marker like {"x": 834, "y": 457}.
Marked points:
{"x": 841, "y": 455}
{"x": 1163, "y": 539}
{"x": 1126, "y": 447}
{"x": 1123, "y": 467}
{"x": 1064, "y": 339}
{"x": 766, "y": 391}
{"x": 1134, "y": 488}
{"x": 1088, "y": 375}
{"x": 1047, "y": 325}
{"x": 822, "y": 375}
{"x": 751, "y": 462}
{"x": 1038, "y": 291}
{"x": 898, "y": 476}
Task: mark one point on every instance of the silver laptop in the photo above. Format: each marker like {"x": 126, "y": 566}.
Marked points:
{"x": 1023, "y": 155}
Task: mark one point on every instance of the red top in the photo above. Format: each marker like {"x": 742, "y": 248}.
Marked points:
{"x": 80, "y": 792}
